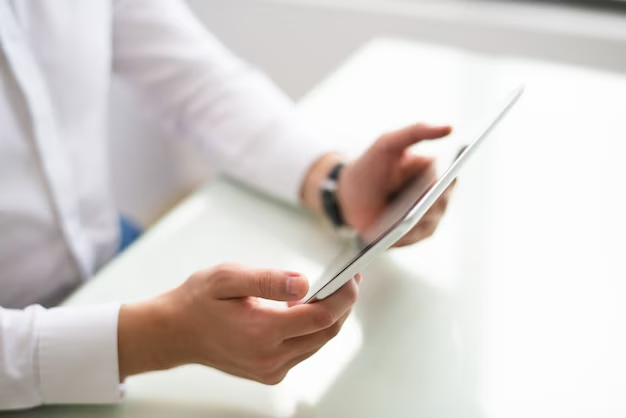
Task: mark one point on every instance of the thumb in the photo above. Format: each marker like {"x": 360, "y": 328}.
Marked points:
{"x": 399, "y": 140}
{"x": 267, "y": 284}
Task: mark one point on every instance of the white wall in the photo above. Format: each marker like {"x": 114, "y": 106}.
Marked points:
{"x": 298, "y": 42}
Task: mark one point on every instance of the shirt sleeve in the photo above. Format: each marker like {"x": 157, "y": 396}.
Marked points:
{"x": 240, "y": 120}
{"x": 58, "y": 356}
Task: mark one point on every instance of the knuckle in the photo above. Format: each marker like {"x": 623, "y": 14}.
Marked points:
{"x": 272, "y": 379}
{"x": 384, "y": 142}
{"x": 384, "y": 138}
{"x": 228, "y": 267}
{"x": 358, "y": 278}
{"x": 264, "y": 282}
{"x": 218, "y": 280}
{"x": 324, "y": 318}
{"x": 198, "y": 276}
{"x": 430, "y": 229}
{"x": 352, "y": 293}
{"x": 224, "y": 270}
{"x": 265, "y": 365}
{"x": 416, "y": 237}
{"x": 333, "y": 331}
{"x": 438, "y": 208}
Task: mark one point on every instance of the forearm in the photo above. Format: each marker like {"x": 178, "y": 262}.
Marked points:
{"x": 238, "y": 118}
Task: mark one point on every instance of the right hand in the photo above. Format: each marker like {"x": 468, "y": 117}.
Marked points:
{"x": 215, "y": 319}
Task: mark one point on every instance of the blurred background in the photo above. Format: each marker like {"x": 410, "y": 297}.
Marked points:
{"x": 299, "y": 42}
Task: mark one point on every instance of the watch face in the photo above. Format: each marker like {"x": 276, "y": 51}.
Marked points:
{"x": 329, "y": 185}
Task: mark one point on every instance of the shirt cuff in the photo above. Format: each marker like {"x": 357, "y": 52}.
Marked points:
{"x": 77, "y": 355}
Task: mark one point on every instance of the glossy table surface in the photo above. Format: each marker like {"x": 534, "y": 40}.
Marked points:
{"x": 513, "y": 309}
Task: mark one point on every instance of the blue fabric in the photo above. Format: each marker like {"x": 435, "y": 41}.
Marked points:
{"x": 129, "y": 232}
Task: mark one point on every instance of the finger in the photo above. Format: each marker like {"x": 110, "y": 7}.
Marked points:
{"x": 417, "y": 234}
{"x": 313, "y": 342}
{"x": 357, "y": 279}
{"x": 398, "y": 141}
{"x": 418, "y": 165}
{"x": 427, "y": 226}
{"x": 237, "y": 282}
{"x": 313, "y": 317}
{"x": 292, "y": 303}
{"x": 415, "y": 168}
{"x": 427, "y": 230}
{"x": 437, "y": 210}
{"x": 296, "y": 350}
{"x": 451, "y": 187}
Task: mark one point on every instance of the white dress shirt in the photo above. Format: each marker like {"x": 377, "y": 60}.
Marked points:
{"x": 58, "y": 221}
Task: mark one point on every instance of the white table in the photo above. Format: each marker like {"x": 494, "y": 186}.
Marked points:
{"x": 513, "y": 309}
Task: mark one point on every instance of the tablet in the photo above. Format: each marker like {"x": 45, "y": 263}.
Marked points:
{"x": 403, "y": 213}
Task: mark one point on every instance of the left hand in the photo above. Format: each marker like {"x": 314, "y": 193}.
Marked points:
{"x": 367, "y": 184}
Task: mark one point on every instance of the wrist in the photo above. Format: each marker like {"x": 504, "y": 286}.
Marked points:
{"x": 310, "y": 192}
{"x": 146, "y": 338}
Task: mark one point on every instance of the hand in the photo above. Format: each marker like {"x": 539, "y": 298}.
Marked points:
{"x": 215, "y": 319}
{"x": 367, "y": 184}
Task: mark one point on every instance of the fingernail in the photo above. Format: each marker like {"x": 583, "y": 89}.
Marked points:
{"x": 293, "y": 286}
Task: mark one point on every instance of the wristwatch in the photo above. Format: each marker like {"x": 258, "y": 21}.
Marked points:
{"x": 330, "y": 200}
{"x": 332, "y": 207}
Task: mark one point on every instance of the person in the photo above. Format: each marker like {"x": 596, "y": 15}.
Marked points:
{"x": 59, "y": 224}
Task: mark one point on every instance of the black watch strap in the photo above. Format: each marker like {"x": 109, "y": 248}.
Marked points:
{"x": 330, "y": 200}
